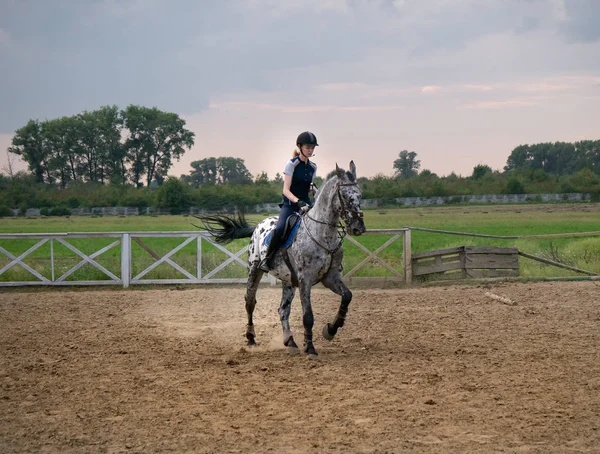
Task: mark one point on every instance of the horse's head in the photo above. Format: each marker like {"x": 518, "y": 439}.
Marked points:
{"x": 350, "y": 196}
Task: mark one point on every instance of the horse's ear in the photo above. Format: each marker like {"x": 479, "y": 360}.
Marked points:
{"x": 339, "y": 172}
{"x": 353, "y": 169}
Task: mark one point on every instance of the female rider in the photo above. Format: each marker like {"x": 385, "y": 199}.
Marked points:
{"x": 297, "y": 179}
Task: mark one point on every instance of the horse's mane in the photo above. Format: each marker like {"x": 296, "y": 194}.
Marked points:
{"x": 331, "y": 176}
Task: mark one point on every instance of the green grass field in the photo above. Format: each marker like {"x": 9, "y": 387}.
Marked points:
{"x": 581, "y": 252}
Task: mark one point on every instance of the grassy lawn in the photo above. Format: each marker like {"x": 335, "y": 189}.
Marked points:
{"x": 501, "y": 220}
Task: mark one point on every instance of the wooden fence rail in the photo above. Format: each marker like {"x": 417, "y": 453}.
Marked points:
{"x": 502, "y": 263}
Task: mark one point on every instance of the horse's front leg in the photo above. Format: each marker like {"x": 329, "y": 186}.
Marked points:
{"x": 334, "y": 282}
{"x": 285, "y": 307}
{"x": 308, "y": 319}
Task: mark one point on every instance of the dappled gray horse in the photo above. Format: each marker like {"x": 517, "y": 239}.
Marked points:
{"x": 314, "y": 255}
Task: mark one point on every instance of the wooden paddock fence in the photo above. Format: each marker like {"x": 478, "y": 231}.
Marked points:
{"x": 465, "y": 261}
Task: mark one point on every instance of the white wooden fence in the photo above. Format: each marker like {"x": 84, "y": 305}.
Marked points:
{"x": 126, "y": 276}
{"x": 63, "y": 276}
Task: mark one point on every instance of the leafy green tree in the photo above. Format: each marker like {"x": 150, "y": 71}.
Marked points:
{"x": 219, "y": 171}
{"x": 425, "y": 173}
{"x": 61, "y": 141}
{"x": 514, "y": 186}
{"x": 28, "y": 143}
{"x": 233, "y": 171}
{"x": 559, "y": 158}
{"x": 407, "y": 165}
{"x": 203, "y": 173}
{"x": 262, "y": 179}
{"x": 111, "y": 153}
{"x": 480, "y": 170}
{"x": 279, "y": 179}
{"x": 173, "y": 194}
{"x": 156, "y": 138}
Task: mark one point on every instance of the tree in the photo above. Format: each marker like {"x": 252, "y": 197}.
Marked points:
{"x": 155, "y": 139}
{"x": 425, "y": 173}
{"x": 203, "y": 173}
{"x": 514, "y": 186}
{"x": 518, "y": 158}
{"x": 28, "y": 143}
{"x": 8, "y": 168}
{"x": 262, "y": 179}
{"x": 222, "y": 170}
{"x": 173, "y": 194}
{"x": 407, "y": 165}
{"x": 480, "y": 170}
{"x": 278, "y": 178}
{"x": 111, "y": 153}
{"x": 233, "y": 171}
{"x": 559, "y": 158}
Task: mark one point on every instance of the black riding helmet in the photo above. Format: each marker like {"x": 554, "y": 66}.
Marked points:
{"x": 306, "y": 138}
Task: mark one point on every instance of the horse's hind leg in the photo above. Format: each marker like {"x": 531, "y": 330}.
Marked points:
{"x": 335, "y": 283}
{"x": 284, "y": 314}
{"x": 307, "y": 318}
{"x": 254, "y": 277}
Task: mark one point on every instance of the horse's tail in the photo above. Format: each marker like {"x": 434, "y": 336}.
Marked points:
{"x": 225, "y": 228}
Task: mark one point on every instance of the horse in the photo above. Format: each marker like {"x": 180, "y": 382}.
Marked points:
{"x": 314, "y": 254}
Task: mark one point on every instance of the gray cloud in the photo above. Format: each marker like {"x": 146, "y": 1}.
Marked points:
{"x": 60, "y": 58}
{"x": 583, "y": 20}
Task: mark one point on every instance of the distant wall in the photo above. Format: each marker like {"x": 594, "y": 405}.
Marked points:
{"x": 367, "y": 203}
{"x": 481, "y": 199}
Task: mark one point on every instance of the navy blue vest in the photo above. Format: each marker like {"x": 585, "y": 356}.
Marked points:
{"x": 302, "y": 176}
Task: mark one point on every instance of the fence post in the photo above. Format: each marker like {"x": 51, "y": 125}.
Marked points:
{"x": 407, "y": 256}
{"x": 125, "y": 259}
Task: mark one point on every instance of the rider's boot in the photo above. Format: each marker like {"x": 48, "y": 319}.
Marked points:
{"x": 267, "y": 263}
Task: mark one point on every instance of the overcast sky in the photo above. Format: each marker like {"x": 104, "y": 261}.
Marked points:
{"x": 460, "y": 82}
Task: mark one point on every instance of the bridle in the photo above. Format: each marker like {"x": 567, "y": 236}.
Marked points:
{"x": 340, "y": 227}
{"x": 356, "y": 213}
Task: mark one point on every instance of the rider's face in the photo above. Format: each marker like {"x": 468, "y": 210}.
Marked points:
{"x": 308, "y": 150}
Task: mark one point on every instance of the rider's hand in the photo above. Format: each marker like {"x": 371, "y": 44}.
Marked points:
{"x": 304, "y": 207}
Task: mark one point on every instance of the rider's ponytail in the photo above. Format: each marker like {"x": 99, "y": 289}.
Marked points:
{"x": 295, "y": 153}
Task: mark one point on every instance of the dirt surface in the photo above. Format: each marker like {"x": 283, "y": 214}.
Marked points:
{"x": 440, "y": 369}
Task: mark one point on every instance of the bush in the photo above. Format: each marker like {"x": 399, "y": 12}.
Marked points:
{"x": 173, "y": 194}
{"x": 514, "y": 186}
{"x": 59, "y": 211}
{"x": 73, "y": 202}
{"x": 5, "y": 211}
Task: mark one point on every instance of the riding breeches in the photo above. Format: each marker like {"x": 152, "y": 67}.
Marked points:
{"x": 286, "y": 211}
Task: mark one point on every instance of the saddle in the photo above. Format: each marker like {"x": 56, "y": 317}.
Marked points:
{"x": 289, "y": 232}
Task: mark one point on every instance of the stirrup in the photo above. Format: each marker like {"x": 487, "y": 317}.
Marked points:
{"x": 264, "y": 265}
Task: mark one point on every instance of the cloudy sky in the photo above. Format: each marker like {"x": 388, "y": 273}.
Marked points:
{"x": 460, "y": 82}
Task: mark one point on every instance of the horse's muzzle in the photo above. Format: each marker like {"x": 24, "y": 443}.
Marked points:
{"x": 357, "y": 228}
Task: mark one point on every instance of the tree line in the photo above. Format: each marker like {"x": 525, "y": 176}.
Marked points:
{"x": 135, "y": 146}
{"x": 113, "y": 157}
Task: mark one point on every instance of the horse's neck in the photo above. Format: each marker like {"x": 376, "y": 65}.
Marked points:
{"x": 323, "y": 209}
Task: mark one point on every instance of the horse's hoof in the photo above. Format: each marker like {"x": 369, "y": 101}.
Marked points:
{"x": 292, "y": 347}
{"x": 251, "y": 341}
{"x": 310, "y": 351}
{"x": 326, "y": 334}
{"x": 290, "y": 342}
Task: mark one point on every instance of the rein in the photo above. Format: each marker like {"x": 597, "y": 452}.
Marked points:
{"x": 341, "y": 229}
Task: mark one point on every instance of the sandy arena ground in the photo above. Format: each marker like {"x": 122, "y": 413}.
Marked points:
{"x": 438, "y": 369}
